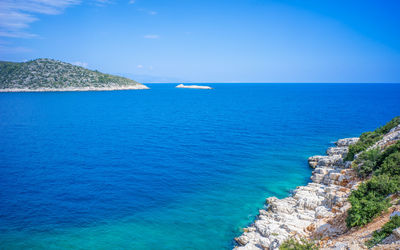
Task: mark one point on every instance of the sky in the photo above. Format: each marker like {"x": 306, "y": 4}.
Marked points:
{"x": 210, "y": 40}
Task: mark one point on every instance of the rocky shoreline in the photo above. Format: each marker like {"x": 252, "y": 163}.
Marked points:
{"x": 317, "y": 210}
{"x": 134, "y": 87}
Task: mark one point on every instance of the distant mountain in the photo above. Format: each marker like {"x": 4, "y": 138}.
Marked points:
{"x": 52, "y": 75}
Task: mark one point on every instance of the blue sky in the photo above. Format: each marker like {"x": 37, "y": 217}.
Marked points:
{"x": 210, "y": 40}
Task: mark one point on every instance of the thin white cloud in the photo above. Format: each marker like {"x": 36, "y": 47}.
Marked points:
{"x": 82, "y": 64}
{"x": 132, "y": 1}
{"x": 13, "y": 50}
{"x": 16, "y": 34}
{"x": 17, "y": 15}
{"x": 151, "y": 36}
{"x": 150, "y": 12}
{"x": 102, "y": 3}
{"x": 140, "y": 66}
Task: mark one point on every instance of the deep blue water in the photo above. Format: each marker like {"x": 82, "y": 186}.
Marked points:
{"x": 165, "y": 168}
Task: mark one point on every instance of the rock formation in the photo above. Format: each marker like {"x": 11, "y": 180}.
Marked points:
{"x": 317, "y": 210}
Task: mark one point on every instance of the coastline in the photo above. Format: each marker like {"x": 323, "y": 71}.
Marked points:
{"x": 317, "y": 210}
{"x": 135, "y": 87}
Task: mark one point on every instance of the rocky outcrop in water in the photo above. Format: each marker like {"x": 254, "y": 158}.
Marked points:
{"x": 317, "y": 210}
{"x": 308, "y": 210}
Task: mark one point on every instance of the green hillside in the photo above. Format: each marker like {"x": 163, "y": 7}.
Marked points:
{"x": 48, "y": 73}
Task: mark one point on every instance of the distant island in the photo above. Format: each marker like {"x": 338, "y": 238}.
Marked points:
{"x": 193, "y": 87}
{"x": 52, "y": 75}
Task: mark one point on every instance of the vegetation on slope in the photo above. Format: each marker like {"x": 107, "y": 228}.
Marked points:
{"x": 369, "y": 138}
{"x": 381, "y": 171}
{"x": 48, "y": 73}
{"x": 384, "y": 232}
{"x": 377, "y": 162}
{"x": 303, "y": 244}
{"x": 372, "y": 196}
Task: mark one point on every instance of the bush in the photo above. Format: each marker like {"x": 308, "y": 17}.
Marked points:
{"x": 385, "y": 129}
{"x": 382, "y": 185}
{"x": 293, "y": 244}
{"x": 367, "y": 162}
{"x": 354, "y": 149}
{"x": 364, "y": 210}
{"x": 388, "y": 151}
{"x": 370, "y": 199}
{"x": 391, "y": 165}
{"x": 369, "y": 138}
{"x": 384, "y": 232}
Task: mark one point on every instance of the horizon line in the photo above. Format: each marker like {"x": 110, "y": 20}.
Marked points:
{"x": 191, "y": 82}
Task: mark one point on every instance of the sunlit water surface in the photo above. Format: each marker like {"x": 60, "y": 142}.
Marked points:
{"x": 165, "y": 168}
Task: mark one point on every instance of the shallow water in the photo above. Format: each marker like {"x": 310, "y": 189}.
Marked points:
{"x": 165, "y": 168}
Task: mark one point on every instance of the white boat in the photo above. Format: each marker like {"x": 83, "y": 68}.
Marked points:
{"x": 192, "y": 87}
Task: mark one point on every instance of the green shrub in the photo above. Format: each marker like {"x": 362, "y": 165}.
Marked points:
{"x": 370, "y": 199}
{"x": 354, "y": 149}
{"x": 369, "y": 138}
{"x": 388, "y": 151}
{"x": 391, "y": 165}
{"x": 385, "y": 129}
{"x": 384, "y": 232}
{"x": 364, "y": 210}
{"x": 293, "y": 244}
{"x": 367, "y": 162}
{"x": 382, "y": 185}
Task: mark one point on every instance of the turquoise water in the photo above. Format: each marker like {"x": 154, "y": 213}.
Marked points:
{"x": 165, "y": 168}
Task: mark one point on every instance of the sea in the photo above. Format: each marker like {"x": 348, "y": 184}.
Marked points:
{"x": 166, "y": 168}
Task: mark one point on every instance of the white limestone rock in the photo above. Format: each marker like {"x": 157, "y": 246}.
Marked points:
{"x": 347, "y": 142}
{"x": 310, "y": 208}
{"x": 337, "y": 151}
{"x": 304, "y": 211}
{"x": 396, "y": 233}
